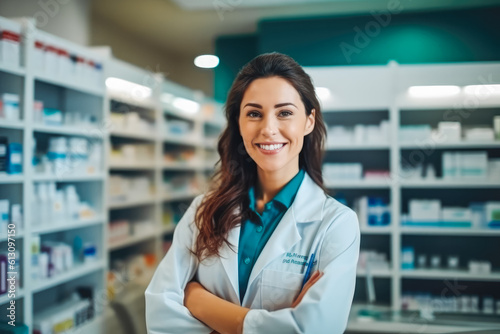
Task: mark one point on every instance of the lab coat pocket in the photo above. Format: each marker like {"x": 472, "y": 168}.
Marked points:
{"x": 279, "y": 288}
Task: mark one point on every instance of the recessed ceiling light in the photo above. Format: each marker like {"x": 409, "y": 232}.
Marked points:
{"x": 206, "y": 61}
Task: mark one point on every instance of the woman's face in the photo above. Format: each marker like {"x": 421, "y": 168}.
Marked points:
{"x": 273, "y": 123}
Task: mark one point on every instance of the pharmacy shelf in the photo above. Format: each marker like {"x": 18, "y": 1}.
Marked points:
{"x": 5, "y": 297}
{"x": 132, "y": 240}
{"x": 11, "y": 178}
{"x": 423, "y": 183}
{"x": 360, "y": 147}
{"x": 450, "y": 231}
{"x": 79, "y": 131}
{"x": 462, "y": 144}
{"x": 147, "y": 136}
{"x": 74, "y": 273}
{"x": 12, "y": 69}
{"x": 98, "y": 91}
{"x": 449, "y": 274}
{"x": 382, "y": 273}
{"x": 116, "y": 165}
{"x": 180, "y": 196}
{"x": 147, "y": 200}
{"x": 358, "y": 184}
{"x": 18, "y": 125}
{"x": 68, "y": 225}
{"x": 68, "y": 178}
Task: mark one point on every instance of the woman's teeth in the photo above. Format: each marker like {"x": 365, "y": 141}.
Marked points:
{"x": 271, "y": 147}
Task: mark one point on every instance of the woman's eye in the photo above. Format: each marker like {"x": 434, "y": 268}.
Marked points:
{"x": 285, "y": 113}
{"x": 253, "y": 114}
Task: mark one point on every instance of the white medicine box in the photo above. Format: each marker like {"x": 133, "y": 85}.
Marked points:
{"x": 10, "y": 44}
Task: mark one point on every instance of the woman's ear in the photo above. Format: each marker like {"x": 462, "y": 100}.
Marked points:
{"x": 310, "y": 121}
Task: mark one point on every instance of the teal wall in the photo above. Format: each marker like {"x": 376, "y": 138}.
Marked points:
{"x": 408, "y": 38}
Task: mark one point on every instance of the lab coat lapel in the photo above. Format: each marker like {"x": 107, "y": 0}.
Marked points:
{"x": 307, "y": 207}
{"x": 229, "y": 258}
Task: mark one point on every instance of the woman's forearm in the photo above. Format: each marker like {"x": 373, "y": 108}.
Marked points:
{"x": 217, "y": 313}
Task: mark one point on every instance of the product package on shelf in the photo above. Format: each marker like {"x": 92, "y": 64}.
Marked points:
{"x": 10, "y": 43}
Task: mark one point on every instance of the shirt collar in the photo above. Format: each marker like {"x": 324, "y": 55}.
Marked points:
{"x": 286, "y": 195}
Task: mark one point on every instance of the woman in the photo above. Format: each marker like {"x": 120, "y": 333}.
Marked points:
{"x": 240, "y": 253}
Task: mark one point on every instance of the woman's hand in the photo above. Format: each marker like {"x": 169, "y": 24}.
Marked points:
{"x": 310, "y": 282}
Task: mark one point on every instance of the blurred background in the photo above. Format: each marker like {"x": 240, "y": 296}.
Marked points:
{"x": 110, "y": 112}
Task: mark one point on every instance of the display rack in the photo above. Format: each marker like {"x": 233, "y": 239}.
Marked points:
{"x": 88, "y": 104}
{"x": 30, "y": 82}
{"x": 169, "y": 128}
{"x": 368, "y": 94}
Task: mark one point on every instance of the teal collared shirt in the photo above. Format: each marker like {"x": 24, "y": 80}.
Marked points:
{"x": 255, "y": 233}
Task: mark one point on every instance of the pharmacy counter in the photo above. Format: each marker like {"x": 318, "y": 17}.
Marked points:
{"x": 392, "y": 322}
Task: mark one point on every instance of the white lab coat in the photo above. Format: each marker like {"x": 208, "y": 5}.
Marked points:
{"x": 315, "y": 222}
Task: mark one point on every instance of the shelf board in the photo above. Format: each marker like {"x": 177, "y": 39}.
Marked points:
{"x": 376, "y": 229}
{"x": 17, "y": 125}
{"x": 450, "y": 231}
{"x": 117, "y": 165}
{"x": 134, "y": 135}
{"x": 384, "y": 273}
{"x": 460, "y": 144}
{"x": 67, "y": 276}
{"x": 128, "y": 99}
{"x": 12, "y": 69}
{"x": 439, "y": 183}
{"x": 71, "y": 225}
{"x": 132, "y": 240}
{"x": 88, "y": 89}
{"x": 358, "y": 184}
{"x": 5, "y": 237}
{"x": 168, "y": 229}
{"x": 449, "y": 274}
{"x": 186, "y": 140}
{"x": 73, "y": 130}
{"x": 5, "y": 297}
{"x": 180, "y": 196}
{"x": 183, "y": 165}
{"x": 132, "y": 203}
{"x": 355, "y": 147}
{"x": 11, "y": 178}
{"x": 69, "y": 178}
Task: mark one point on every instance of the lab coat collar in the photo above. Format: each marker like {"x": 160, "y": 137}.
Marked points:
{"x": 307, "y": 207}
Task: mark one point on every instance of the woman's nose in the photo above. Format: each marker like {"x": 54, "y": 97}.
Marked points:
{"x": 269, "y": 127}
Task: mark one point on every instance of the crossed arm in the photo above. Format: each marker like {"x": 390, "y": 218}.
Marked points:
{"x": 221, "y": 315}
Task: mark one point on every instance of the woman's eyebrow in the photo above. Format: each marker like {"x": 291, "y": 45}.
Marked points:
{"x": 279, "y": 105}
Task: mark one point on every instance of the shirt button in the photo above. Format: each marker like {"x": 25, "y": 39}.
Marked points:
{"x": 247, "y": 260}
{"x": 259, "y": 228}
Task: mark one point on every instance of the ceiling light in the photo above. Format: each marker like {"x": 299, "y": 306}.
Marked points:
{"x": 482, "y": 89}
{"x": 206, "y": 61}
{"x": 433, "y": 91}
{"x": 126, "y": 87}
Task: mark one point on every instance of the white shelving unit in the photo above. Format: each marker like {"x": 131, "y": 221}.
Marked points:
{"x": 369, "y": 94}
{"x": 35, "y": 294}
{"x": 154, "y": 99}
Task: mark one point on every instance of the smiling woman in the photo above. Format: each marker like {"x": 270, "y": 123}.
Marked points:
{"x": 243, "y": 255}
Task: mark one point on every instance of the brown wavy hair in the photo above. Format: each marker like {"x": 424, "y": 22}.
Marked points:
{"x": 226, "y": 204}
